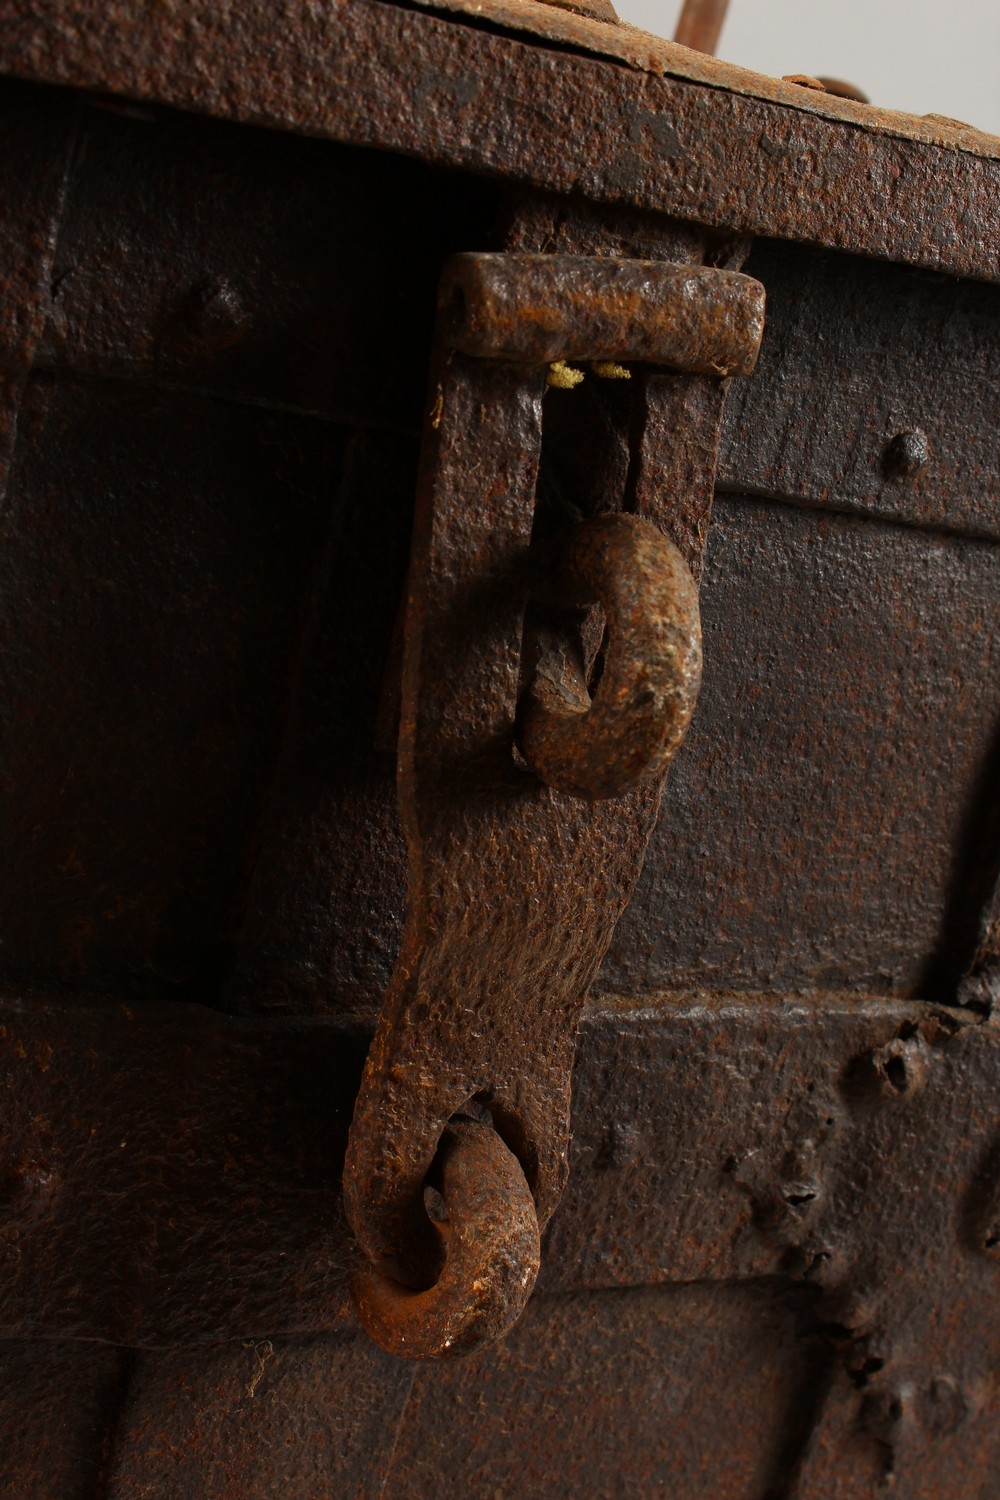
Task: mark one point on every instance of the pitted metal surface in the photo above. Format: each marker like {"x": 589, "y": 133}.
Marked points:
{"x": 515, "y": 886}
{"x": 627, "y": 733}
{"x": 485, "y": 1217}
{"x": 782, "y": 1217}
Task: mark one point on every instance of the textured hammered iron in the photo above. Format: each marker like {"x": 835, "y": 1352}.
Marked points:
{"x": 515, "y": 885}
{"x": 626, "y": 734}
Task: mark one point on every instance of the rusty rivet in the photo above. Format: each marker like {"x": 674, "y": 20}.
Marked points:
{"x": 946, "y": 1407}
{"x": 815, "y": 1260}
{"x": 25, "y": 1184}
{"x": 901, "y": 1066}
{"x": 988, "y": 1221}
{"x": 800, "y": 1195}
{"x": 884, "y": 1413}
{"x": 217, "y": 309}
{"x": 906, "y": 454}
{"x": 980, "y": 990}
{"x": 868, "y": 1357}
{"x": 622, "y": 1146}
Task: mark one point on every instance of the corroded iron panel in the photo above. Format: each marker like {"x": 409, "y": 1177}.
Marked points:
{"x": 875, "y": 392}
{"x": 376, "y": 75}
{"x": 156, "y": 551}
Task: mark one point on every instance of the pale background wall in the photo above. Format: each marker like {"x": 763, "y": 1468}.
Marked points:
{"x": 926, "y": 56}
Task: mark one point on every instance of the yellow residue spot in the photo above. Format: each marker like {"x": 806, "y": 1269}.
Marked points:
{"x": 563, "y": 376}
{"x": 437, "y": 410}
{"x": 608, "y": 370}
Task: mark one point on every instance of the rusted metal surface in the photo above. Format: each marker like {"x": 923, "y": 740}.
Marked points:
{"x": 499, "y": 862}
{"x": 863, "y": 738}
{"x": 874, "y": 393}
{"x": 460, "y": 95}
{"x": 38, "y": 136}
{"x": 485, "y": 1218}
{"x": 197, "y": 255}
{"x": 700, "y": 24}
{"x": 979, "y": 985}
{"x": 902, "y": 1281}
{"x": 147, "y": 1132}
{"x": 790, "y": 1203}
{"x": 619, "y": 1382}
{"x": 538, "y": 22}
{"x": 694, "y": 1079}
{"x": 324, "y": 913}
{"x": 59, "y": 1406}
{"x": 679, "y": 421}
{"x": 839, "y": 659}
{"x": 854, "y": 355}
{"x": 178, "y": 558}
{"x": 716, "y": 1140}
{"x": 473, "y": 528}
{"x": 260, "y": 1418}
{"x": 654, "y": 54}
{"x": 539, "y": 308}
{"x": 621, "y": 1378}
{"x": 143, "y": 530}
{"x": 802, "y": 1132}
{"x": 628, "y": 732}
{"x": 598, "y": 10}
{"x": 620, "y": 1375}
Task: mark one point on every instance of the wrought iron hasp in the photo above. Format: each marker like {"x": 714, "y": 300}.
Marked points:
{"x": 545, "y": 688}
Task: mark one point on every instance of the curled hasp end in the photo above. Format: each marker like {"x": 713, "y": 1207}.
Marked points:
{"x": 489, "y": 1233}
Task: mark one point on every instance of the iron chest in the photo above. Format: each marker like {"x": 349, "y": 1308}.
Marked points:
{"x": 401, "y": 408}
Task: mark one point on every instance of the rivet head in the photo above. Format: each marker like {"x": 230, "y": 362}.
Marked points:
{"x": 884, "y": 1412}
{"x": 25, "y": 1184}
{"x": 901, "y": 1067}
{"x": 946, "y": 1406}
{"x": 906, "y": 454}
{"x": 217, "y": 311}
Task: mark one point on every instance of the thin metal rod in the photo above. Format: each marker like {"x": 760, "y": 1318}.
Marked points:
{"x": 700, "y": 24}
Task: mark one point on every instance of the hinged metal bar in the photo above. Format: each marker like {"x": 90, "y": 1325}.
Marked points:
{"x": 515, "y": 885}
